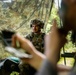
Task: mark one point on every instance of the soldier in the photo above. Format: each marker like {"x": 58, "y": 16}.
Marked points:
{"x": 36, "y": 36}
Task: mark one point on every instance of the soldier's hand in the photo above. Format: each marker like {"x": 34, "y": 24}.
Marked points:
{"x": 54, "y": 41}
{"x": 28, "y": 46}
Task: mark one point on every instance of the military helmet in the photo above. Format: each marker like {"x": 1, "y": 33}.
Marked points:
{"x": 37, "y": 22}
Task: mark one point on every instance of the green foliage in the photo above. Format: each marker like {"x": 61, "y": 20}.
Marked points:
{"x": 16, "y": 17}
{"x": 54, "y": 15}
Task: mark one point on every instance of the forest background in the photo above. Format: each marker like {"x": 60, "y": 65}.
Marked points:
{"x": 17, "y": 14}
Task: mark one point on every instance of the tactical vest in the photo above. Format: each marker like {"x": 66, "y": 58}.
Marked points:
{"x": 37, "y": 40}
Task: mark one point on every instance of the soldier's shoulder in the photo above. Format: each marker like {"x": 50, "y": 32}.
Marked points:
{"x": 29, "y": 35}
{"x": 43, "y": 34}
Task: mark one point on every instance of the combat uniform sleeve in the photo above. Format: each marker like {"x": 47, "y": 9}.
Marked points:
{"x": 47, "y": 69}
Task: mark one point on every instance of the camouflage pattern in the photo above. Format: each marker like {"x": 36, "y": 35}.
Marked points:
{"x": 37, "y": 40}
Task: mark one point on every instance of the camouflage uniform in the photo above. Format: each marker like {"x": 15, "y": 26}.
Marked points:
{"x": 37, "y": 40}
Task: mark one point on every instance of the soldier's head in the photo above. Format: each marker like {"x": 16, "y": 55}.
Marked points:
{"x": 36, "y": 25}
